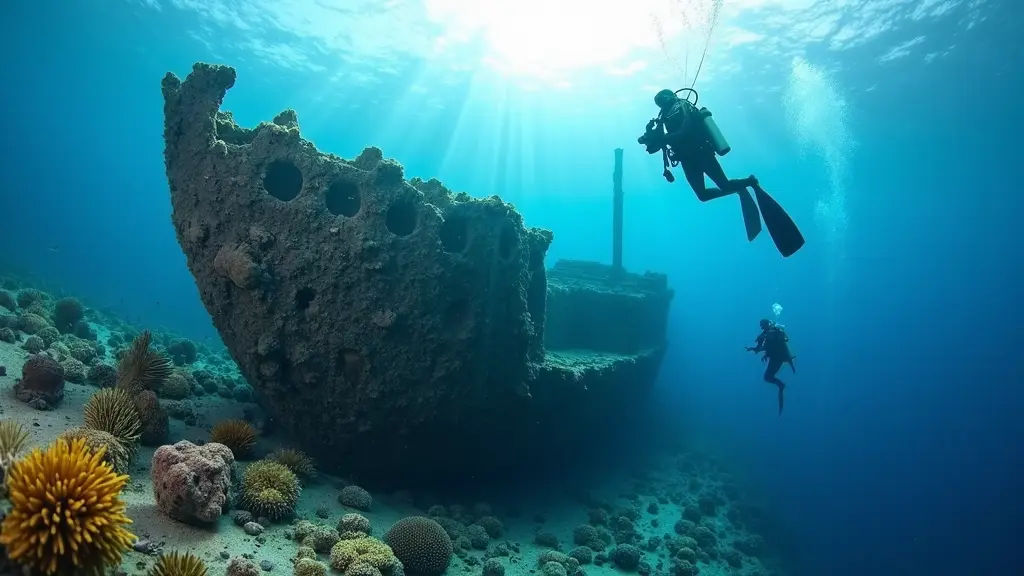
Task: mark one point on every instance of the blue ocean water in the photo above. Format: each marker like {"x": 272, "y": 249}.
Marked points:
{"x": 888, "y": 128}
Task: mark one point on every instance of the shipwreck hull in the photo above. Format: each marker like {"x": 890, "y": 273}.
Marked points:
{"x": 393, "y": 328}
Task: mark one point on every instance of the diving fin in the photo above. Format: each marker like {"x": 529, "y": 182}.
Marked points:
{"x": 751, "y": 217}
{"x": 781, "y": 388}
{"x": 783, "y": 230}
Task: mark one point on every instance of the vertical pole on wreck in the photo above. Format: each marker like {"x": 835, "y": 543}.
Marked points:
{"x": 617, "y": 213}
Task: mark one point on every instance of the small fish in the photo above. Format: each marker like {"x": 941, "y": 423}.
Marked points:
{"x": 53, "y": 248}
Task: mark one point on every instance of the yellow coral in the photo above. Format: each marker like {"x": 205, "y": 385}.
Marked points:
{"x": 368, "y": 550}
{"x": 175, "y": 564}
{"x": 12, "y": 439}
{"x": 309, "y": 567}
{"x": 305, "y": 552}
{"x": 66, "y": 513}
{"x": 270, "y": 489}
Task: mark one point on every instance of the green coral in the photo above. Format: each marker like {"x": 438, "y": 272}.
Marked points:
{"x": 350, "y": 556}
{"x": 315, "y": 536}
{"x": 309, "y": 567}
{"x": 270, "y": 489}
{"x": 49, "y": 335}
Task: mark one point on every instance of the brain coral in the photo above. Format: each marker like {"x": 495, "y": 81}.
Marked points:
{"x": 115, "y": 453}
{"x": 348, "y": 555}
{"x": 355, "y": 497}
{"x": 421, "y": 544}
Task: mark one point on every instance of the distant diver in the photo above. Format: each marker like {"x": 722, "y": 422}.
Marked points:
{"x": 690, "y": 137}
{"x": 774, "y": 342}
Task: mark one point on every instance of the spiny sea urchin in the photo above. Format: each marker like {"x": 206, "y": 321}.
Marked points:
{"x": 296, "y": 460}
{"x": 66, "y": 512}
{"x": 112, "y": 410}
{"x": 269, "y": 489}
{"x": 238, "y": 435}
{"x": 176, "y": 564}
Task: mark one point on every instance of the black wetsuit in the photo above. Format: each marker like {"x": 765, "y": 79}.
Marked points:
{"x": 690, "y": 146}
{"x": 775, "y": 344}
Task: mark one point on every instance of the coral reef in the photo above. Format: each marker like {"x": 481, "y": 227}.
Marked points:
{"x": 192, "y": 483}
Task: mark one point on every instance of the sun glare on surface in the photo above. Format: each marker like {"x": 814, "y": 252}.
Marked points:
{"x": 549, "y": 37}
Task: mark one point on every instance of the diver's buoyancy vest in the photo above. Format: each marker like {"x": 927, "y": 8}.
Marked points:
{"x": 776, "y": 343}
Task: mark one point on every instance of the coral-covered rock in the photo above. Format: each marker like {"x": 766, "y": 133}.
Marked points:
{"x": 355, "y": 497}
{"x": 439, "y": 288}
{"x": 177, "y": 386}
{"x": 49, "y": 335}
{"x": 33, "y": 345}
{"x": 7, "y": 300}
{"x": 192, "y": 483}
{"x": 81, "y": 350}
{"x": 241, "y": 566}
{"x": 155, "y": 422}
{"x": 30, "y": 296}
{"x": 182, "y": 352}
{"x": 30, "y": 323}
{"x": 74, "y": 370}
{"x": 66, "y": 313}
{"x": 102, "y": 375}
{"x": 354, "y": 523}
{"x": 626, "y": 556}
{"x": 42, "y": 380}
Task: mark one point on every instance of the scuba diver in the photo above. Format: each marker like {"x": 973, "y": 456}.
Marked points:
{"x": 688, "y": 136}
{"x": 774, "y": 342}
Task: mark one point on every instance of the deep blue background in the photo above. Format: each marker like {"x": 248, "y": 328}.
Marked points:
{"x": 900, "y": 450}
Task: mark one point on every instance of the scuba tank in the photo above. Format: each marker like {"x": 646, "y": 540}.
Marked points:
{"x": 718, "y": 141}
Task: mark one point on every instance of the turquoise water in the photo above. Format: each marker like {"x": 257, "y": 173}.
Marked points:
{"x": 887, "y": 128}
